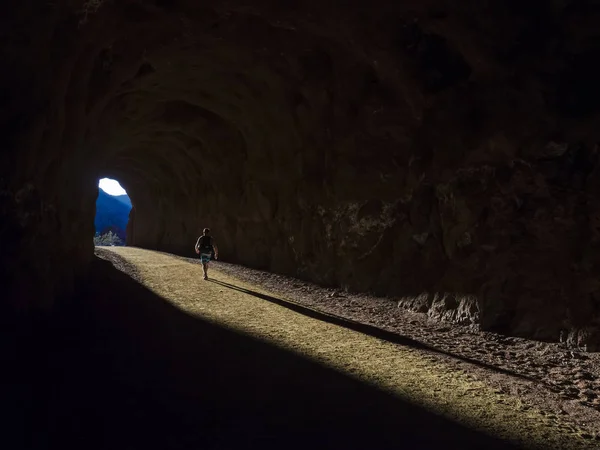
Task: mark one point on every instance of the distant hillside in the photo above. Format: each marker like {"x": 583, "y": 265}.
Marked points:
{"x": 112, "y": 213}
{"x": 124, "y": 199}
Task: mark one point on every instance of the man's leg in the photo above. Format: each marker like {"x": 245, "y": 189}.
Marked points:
{"x": 205, "y": 269}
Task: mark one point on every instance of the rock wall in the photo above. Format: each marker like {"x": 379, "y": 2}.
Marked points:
{"x": 441, "y": 153}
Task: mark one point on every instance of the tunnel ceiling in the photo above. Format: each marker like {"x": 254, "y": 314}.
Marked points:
{"x": 406, "y": 147}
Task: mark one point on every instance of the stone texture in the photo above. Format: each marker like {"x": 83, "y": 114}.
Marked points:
{"x": 432, "y": 150}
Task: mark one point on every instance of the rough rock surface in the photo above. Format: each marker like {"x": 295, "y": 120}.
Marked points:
{"x": 444, "y": 153}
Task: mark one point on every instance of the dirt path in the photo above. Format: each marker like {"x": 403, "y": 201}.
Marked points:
{"x": 552, "y": 377}
{"x": 411, "y": 374}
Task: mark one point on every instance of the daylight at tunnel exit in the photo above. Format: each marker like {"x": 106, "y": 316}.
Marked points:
{"x": 111, "y": 187}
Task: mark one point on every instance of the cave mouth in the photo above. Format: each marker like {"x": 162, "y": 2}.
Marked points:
{"x": 113, "y": 207}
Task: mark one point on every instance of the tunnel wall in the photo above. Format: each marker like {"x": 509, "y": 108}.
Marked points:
{"x": 402, "y": 149}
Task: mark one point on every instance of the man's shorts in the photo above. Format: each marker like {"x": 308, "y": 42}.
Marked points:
{"x": 204, "y": 257}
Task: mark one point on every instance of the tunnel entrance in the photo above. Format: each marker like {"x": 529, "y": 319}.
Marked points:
{"x": 113, "y": 206}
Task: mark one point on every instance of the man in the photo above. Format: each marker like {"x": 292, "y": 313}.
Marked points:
{"x": 206, "y": 247}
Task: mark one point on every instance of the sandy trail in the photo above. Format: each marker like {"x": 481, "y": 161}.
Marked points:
{"x": 408, "y": 373}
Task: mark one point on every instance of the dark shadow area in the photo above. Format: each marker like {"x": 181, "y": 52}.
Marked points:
{"x": 121, "y": 368}
{"x": 366, "y": 329}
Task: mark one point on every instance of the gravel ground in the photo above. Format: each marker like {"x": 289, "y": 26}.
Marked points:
{"x": 548, "y": 377}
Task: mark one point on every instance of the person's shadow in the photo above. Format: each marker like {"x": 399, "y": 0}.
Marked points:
{"x": 365, "y": 328}
{"x": 124, "y": 369}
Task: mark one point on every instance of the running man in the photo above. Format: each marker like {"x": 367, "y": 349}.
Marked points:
{"x": 206, "y": 247}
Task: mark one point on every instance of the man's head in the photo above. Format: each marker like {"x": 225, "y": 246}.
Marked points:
{"x": 206, "y": 231}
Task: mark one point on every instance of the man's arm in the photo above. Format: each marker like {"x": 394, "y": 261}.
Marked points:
{"x": 216, "y": 251}
{"x": 197, "y": 244}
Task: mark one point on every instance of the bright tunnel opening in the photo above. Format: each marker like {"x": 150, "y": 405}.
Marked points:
{"x": 113, "y": 206}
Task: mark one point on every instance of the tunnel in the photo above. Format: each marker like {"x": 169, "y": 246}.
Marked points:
{"x": 444, "y": 154}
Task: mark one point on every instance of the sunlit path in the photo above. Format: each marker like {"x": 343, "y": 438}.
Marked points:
{"x": 408, "y": 373}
